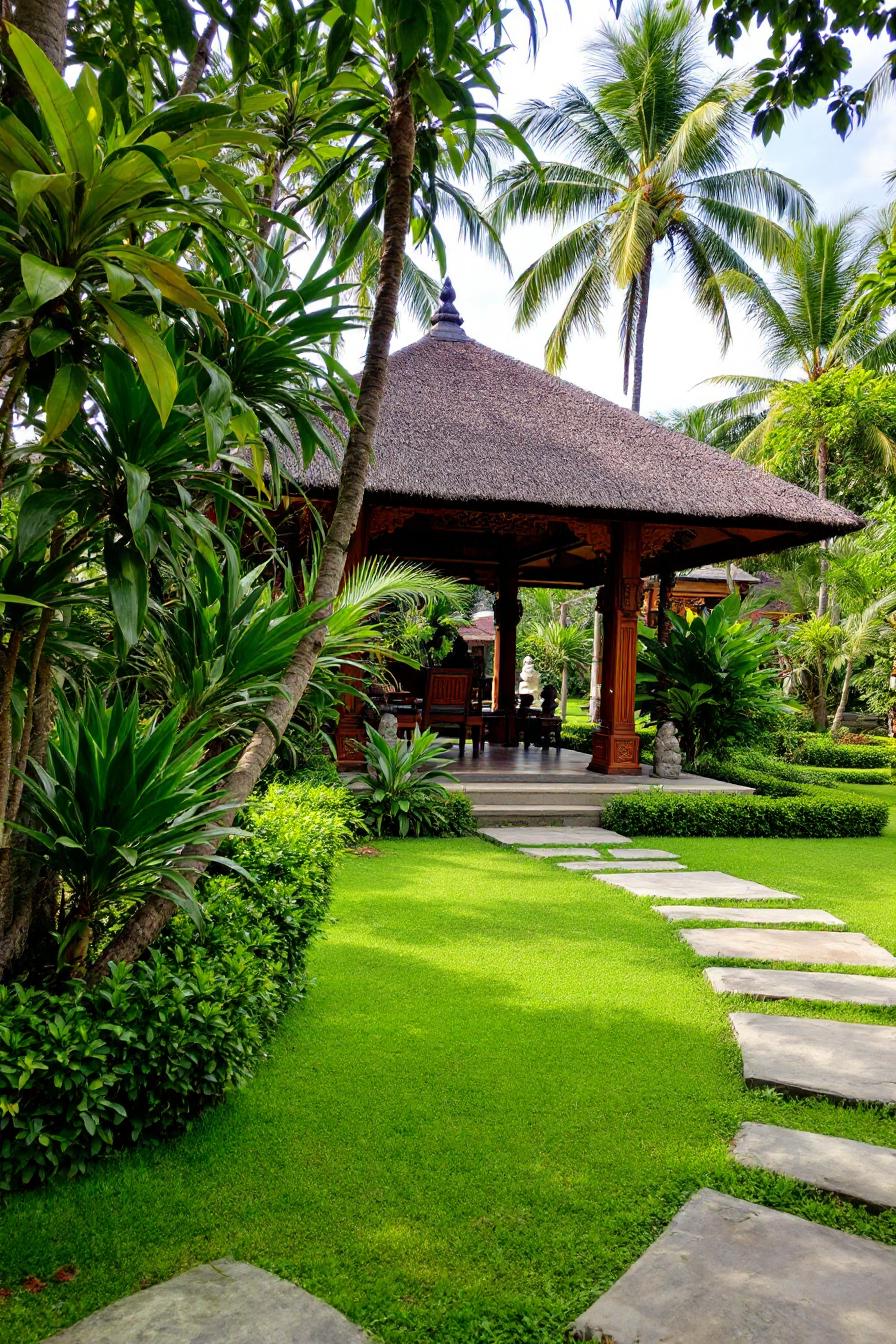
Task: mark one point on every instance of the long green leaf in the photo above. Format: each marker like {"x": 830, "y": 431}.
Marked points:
{"x": 153, "y": 360}
{"x": 58, "y": 105}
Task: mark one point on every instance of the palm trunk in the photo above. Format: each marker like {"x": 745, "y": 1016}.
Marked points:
{"x": 820, "y": 713}
{"x": 201, "y": 56}
{"x": 821, "y": 452}
{"x": 45, "y": 22}
{"x": 837, "y": 721}
{"x": 594, "y": 699}
{"x": 640, "y": 329}
{"x": 151, "y": 918}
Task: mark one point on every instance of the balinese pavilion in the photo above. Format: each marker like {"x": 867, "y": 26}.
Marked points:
{"x": 504, "y": 476}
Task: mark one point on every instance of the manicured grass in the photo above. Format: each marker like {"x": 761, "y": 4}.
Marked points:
{"x": 505, "y": 1081}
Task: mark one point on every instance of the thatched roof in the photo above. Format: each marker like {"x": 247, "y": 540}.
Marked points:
{"x": 464, "y": 424}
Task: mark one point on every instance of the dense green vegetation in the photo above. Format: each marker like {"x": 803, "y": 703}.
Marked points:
{"x": 506, "y": 1081}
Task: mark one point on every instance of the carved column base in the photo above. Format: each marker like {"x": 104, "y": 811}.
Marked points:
{"x": 349, "y": 738}
{"x": 614, "y": 753}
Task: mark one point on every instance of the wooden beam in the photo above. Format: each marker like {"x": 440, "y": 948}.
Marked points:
{"x": 615, "y": 744}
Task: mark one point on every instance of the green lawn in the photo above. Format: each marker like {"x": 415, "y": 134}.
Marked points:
{"x": 504, "y": 1082}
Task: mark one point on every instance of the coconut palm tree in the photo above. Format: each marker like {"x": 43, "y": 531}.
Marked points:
{"x": 649, "y": 148}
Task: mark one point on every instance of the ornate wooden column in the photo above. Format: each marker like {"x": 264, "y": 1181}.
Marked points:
{"x": 615, "y": 744}
{"x": 507, "y": 618}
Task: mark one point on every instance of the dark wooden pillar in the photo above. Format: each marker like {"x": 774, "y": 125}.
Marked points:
{"x": 667, "y": 583}
{"x": 615, "y": 743}
{"x": 507, "y": 618}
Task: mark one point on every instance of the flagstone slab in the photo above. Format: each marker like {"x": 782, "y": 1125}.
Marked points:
{"x": 224, "y": 1302}
{"x": 622, "y": 865}
{"x": 726, "y": 1271}
{"x": 552, "y": 835}
{"x": 700, "y": 886}
{"x": 848, "y": 1061}
{"x": 822, "y": 986}
{"x": 560, "y": 852}
{"x": 756, "y": 915}
{"x": 860, "y": 1171}
{"x": 813, "y": 946}
{"x": 632, "y": 852}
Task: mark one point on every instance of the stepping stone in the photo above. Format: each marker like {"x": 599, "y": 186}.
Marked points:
{"x": 224, "y": 1302}
{"x": 632, "y": 852}
{"x": 559, "y": 852}
{"x": 861, "y": 1171}
{"x": 622, "y": 865}
{"x": 823, "y": 986}
{"x": 809, "y": 945}
{"x": 552, "y": 835}
{"x": 729, "y": 1272}
{"x": 848, "y": 1061}
{"x": 758, "y": 915}
{"x": 707, "y": 886}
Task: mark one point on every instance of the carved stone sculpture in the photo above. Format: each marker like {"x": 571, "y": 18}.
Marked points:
{"x": 530, "y": 681}
{"x": 388, "y": 727}
{"x": 666, "y": 752}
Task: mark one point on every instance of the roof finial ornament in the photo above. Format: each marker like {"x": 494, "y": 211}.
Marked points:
{"x": 447, "y": 323}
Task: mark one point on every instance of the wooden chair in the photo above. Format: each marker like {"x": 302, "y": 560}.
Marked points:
{"x": 448, "y": 703}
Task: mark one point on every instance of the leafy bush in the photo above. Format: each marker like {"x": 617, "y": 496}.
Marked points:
{"x": 403, "y": 790}
{"x": 715, "y": 677}
{"x": 457, "y": 818}
{"x": 820, "y": 749}
{"x": 718, "y": 814}
{"x": 85, "y": 1069}
{"x": 782, "y": 779}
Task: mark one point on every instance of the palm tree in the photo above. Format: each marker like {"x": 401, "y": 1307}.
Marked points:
{"x": 652, "y": 147}
{"x": 554, "y": 633}
{"x": 812, "y": 325}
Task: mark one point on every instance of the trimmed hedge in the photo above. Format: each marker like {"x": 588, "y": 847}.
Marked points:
{"x": 719, "y": 814}
{"x": 84, "y": 1070}
{"x": 782, "y": 779}
{"x": 819, "y": 749}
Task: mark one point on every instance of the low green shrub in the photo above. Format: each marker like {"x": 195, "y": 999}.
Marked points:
{"x": 87, "y": 1069}
{"x": 782, "y": 779}
{"x": 402, "y": 792}
{"x": 719, "y": 814}
{"x": 577, "y": 736}
{"x": 457, "y": 817}
{"x": 820, "y": 749}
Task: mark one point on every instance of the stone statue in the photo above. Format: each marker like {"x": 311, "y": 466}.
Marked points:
{"x": 388, "y": 726}
{"x": 530, "y": 681}
{"x": 666, "y": 752}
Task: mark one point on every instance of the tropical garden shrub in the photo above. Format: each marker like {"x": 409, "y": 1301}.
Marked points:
{"x": 84, "y": 1069}
{"x": 821, "y": 749}
{"x": 714, "y": 814}
{"x": 765, "y": 773}
{"x": 402, "y": 791}
{"x": 577, "y": 736}
{"x": 716, "y": 677}
{"x": 456, "y": 816}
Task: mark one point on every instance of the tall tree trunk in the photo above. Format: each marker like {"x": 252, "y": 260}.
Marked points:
{"x": 564, "y": 675}
{"x": 820, "y": 708}
{"x": 45, "y": 22}
{"x": 594, "y": 698}
{"x": 201, "y": 56}
{"x": 151, "y": 918}
{"x": 640, "y": 329}
{"x": 837, "y": 721}
{"x": 821, "y": 453}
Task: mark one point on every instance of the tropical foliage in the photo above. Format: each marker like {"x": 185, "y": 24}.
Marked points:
{"x": 402, "y": 792}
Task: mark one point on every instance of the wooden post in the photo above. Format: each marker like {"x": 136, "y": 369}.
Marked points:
{"x": 667, "y": 583}
{"x": 507, "y": 615}
{"x": 615, "y": 744}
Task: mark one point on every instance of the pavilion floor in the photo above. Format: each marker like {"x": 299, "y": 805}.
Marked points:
{"x": 520, "y": 767}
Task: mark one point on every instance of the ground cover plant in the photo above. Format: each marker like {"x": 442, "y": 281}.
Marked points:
{"x": 421, "y": 1148}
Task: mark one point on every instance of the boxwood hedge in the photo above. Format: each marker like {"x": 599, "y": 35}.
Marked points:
{"x": 717, "y": 814}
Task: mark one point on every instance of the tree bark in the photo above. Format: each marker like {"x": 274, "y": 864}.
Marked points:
{"x": 151, "y": 918}
{"x": 201, "y": 56}
{"x": 821, "y": 452}
{"x": 640, "y": 330}
{"x": 45, "y": 22}
{"x": 821, "y": 699}
{"x": 837, "y": 721}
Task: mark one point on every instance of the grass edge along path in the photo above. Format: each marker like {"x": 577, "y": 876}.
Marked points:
{"x": 504, "y": 1083}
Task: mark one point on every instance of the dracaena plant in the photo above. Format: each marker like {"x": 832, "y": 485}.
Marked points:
{"x": 112, "y": 811}
{"x": 402, "y": 790}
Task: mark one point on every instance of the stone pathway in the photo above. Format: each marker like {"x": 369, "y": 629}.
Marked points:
{"x": 859, "y": 1171}
{"x": 757, "y": 915}
{"x": 729, "y": 1272}
{"x": 702, "y": 886}
{"x": 848, "y": 1061}
{"x": 224, "y": 1302}
{"x": 821, "y": 986}
{"x": 816, "y": 949}
{"x": 553, "y": 835}
{"x": 625, "y": 865}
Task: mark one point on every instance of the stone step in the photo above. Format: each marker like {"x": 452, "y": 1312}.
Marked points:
{"x": 598, "y": 866}
{"x": 536, "y": 815}
{"x": 820, "y": 986}
{"x": 552, "y": 835}
{"x": 847, "y": 1061}
{"x": 701, "y": 886}
{"x": 757, "y": 915}
{"x": 726, "y": 1271}
{"x": 859, "y": 1171}
{"x": 814, "y": 947}
{"x": 224, "y": 1302}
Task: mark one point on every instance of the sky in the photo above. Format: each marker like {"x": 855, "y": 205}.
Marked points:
{"x": 682, "y": 348}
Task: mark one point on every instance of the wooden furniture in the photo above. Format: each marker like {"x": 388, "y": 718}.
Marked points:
{"x": 542, "y": 726}
{"x": 448, "y": 704}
